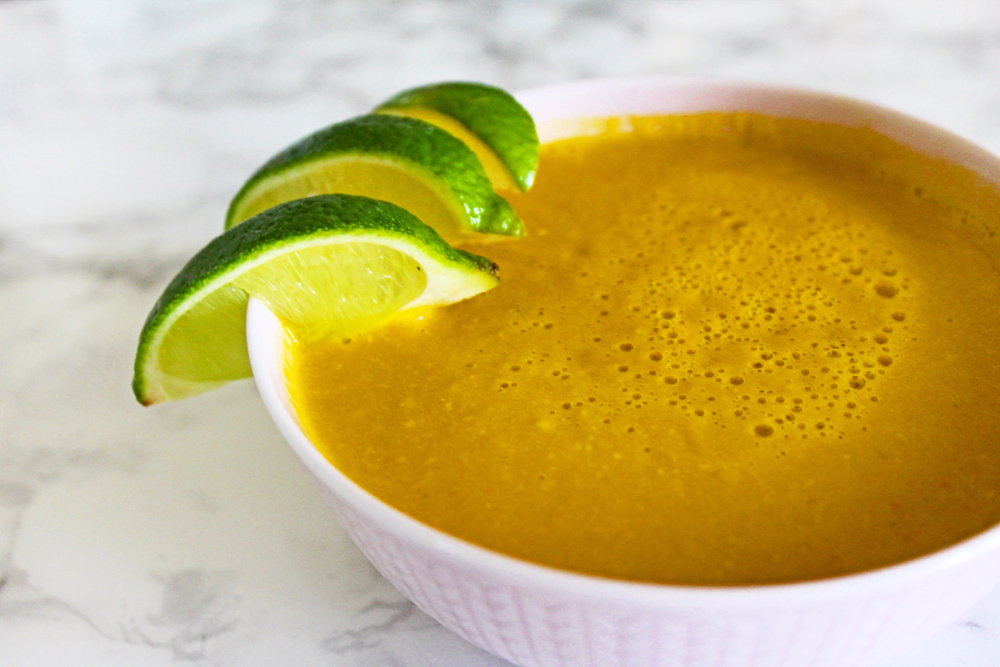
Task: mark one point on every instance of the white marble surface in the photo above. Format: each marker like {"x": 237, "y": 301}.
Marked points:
{"x": 186, "y": 534}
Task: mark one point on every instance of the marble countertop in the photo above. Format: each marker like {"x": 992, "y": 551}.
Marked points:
{"x": 187, "y": 534}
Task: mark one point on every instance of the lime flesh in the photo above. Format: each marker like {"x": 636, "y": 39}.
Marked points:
{"x": 487, "y": 118}
{"x": 408, "y": 162}
{"x": 327, "y": 266}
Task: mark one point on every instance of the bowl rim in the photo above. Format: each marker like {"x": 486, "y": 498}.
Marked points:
{"x": 266, "y": 343}
{"x": 620, "y": 96}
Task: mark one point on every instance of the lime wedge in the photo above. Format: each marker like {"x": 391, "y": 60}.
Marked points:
{"x": 497, "y": 128}
{"x": 408, "y": 162}
{"x": 327, "y": 266}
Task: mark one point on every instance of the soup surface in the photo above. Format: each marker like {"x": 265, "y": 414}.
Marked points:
{"x": 732, "y": 350}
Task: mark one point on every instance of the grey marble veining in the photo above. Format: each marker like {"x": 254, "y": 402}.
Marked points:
{"x": 187, "y": 533}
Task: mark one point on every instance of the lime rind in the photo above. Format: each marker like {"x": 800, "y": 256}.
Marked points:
{"x": 445, "y": 163}
{"x": 490, "y": 113}
{"x": 452, "y": 274}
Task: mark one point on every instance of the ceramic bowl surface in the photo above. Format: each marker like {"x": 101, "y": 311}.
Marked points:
{"x": 537, "y": 616}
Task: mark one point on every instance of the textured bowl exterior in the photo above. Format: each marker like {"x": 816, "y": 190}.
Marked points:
{"x": 538, "y": 626}
{"x": 536, "y": 616}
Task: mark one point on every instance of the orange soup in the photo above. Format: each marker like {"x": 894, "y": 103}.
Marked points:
{"x": 732, "y": 349}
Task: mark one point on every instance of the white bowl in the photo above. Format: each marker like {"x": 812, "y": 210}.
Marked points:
{"x": 537, "y": 616}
